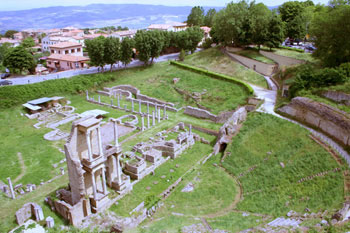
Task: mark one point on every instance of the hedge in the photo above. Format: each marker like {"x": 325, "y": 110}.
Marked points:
{"x": 214, "y": 75}
{"x": 20, "y": 94}
{"x": 293, "y": 49}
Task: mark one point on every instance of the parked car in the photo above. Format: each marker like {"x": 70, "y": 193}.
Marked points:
{"x": 5, "y": 82}
{"x": 5, "y": 75}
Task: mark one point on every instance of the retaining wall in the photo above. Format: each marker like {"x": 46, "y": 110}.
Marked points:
{"x": 281, "y": 60}
{"x": 337, "y": 96}
{"x": 260, "y": 67}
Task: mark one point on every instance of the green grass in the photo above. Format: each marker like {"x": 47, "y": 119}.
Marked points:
{"x": 255, "y": 55}
{"x": 271, "y": 189}
{"x": 139, "y": 193}
{"x": 235, "y": 222}
{"x": 294, "y": 54}
{"x": 214, "y": 60}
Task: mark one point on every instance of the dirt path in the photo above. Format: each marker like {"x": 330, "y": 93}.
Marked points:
{"x": 23, "y": 167}
{"x": 231, "y": 207}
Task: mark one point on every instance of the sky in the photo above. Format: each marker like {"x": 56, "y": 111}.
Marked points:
{"x": 6, "y": 5}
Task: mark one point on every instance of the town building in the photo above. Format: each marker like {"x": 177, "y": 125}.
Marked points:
{"x": 14, "y": 43}
{"x": 172, "y": 27}
{"x": 123, "y": 34}
{"x": 66, "y": 56}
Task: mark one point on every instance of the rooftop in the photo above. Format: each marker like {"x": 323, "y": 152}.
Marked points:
{"x": 63, "y": 45}
{"x": 63, "y": 57}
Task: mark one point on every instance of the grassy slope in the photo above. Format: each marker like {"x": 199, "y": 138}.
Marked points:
{"x": 294, "y": 54}
{"x": 255, "y": 55}
{"x": 274, "y": 190}
{"x": 214, "y": 60}
{"x": 157, "y": 81}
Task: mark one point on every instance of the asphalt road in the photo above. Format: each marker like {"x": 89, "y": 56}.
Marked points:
{"x": 92, "y": 70}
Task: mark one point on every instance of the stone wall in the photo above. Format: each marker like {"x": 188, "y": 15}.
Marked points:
{"x": 200, "y": 113}
{"x": 28, "y": 211}
{"x": 281, "y": 60}
{"x": 260, "y": 67}
{"x": 329, "y": 120}
{"x": 337, "y": 96}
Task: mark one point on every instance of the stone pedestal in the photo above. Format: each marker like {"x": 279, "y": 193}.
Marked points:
{"x": 50, "y": 223}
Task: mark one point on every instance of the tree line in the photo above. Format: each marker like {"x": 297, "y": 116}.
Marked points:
{"x": 148, "y": 44}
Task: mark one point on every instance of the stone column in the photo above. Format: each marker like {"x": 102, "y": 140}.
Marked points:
{"x": 190, "y": 126}
{"x": 118, "y": 101}
{"x": 88, "y": 142}
{"x": 132, "y": 105}
{"x": 115, "y": 95}
{"x": 99, "y": 99}
{"x": 153, "y": 119}
{"x": 104, "y": 182}
{"x": 158, "y": 115}
{"x": 148, "y": 123}
{"x": 99, "y": 141}
{"x": 140, "y": 111}
{"x": 11, "y": 188}
{"x": 116, "y": 135}
{"x": 147, "y": 108}
{"x": 87, "y": 95}
{"x": 164, "y": 112}
{"x": 119, "y": 170}
{"x": 50, "y": 223}
{"x": 94, "y": 190}
{"x": 155, "y": 108}
{"x": 142, "y": 123}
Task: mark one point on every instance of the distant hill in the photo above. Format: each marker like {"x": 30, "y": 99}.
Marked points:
{"x": 134, "y": 16}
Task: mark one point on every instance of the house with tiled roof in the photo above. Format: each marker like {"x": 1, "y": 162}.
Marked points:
{"x": 175, "y": 27}
{"x": 66, "y": 56}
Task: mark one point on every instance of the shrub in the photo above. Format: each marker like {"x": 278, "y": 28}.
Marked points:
{"x": 207, "y": 43}
{"x": 15, "y": 95}
{"x": 182, "y": 55}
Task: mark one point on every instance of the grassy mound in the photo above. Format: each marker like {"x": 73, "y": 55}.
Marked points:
{"x": 270, "y": 156}
{"x": 214, "y": 60}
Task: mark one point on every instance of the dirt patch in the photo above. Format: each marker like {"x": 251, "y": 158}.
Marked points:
{"x": 23, "y": 167}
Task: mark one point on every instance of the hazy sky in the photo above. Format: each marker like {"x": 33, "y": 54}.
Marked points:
{"x": 28, "y": 4}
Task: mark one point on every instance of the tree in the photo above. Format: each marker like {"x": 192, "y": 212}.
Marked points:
{"x": 182, "y": 55}
{"x": 28, "y": 42}
{"x": 275, "y": 33}
{"x": 260, "y": 17}
{"x": 209, "y": 17}
{"x": 10, "y": 33}
{"x": 291, "y": 14}
{"x": 126, "y": 51}
{"x": 331, "y": 40}
{"x": 4, "y": 48}
{"x": 196, "y": 17}
{"x": 111, "y": 53}
{"x": 195, "y": 35}
{"x": 149, "y": 44}
{"x": 19, "y": 59}
{"x": 95, "y": 49}
{"x": 231, "y": 24}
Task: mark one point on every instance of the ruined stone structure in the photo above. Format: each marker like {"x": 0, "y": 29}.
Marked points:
{"x": 229, "y": 129}
{"x": 28, "y": 211}
{"x": 337, "y": 96}
{"x": 92, "y": 165}
{"x": 331, "y": 121}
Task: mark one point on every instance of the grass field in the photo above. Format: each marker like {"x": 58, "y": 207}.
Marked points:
{"x": 254, "y": 54}
{"x": 263, "y": 144}
{"x": 214, "y": 60}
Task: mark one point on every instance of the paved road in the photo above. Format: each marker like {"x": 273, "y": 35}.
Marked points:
{"x": 70, "y": 73}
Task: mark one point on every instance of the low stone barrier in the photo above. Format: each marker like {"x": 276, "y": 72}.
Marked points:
{"x": 337, "y": 96}
{"x": 200, "y": 113}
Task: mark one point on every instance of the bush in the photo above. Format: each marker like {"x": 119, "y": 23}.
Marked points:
{"x": 214, "y": 75}
{"x": 182, "y": 55}
{"x": 207, "y": 43}
{"x": 15, "y": 95}
{"x": 293, "y": 49}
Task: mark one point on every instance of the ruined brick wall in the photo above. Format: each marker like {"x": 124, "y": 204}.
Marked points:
{"x": 200, "y": 113}
{"x": 281, "y": 60}
{"x": 329, "y": 120}
{"x": 337, "y": 96}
